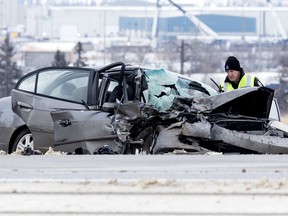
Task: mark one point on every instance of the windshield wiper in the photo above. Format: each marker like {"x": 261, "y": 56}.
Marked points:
{"x": 199, "y": 87}
{"x": 219, "y": 87}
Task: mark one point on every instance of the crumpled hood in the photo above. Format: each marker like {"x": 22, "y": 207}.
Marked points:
{"x": 190, "y": 124}
{"x": 254, "y": 102}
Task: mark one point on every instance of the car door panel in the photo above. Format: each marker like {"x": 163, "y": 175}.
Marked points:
{"x": 34, "y": 104}
{"x": 35, "y": 112}
{"x": 75, "y": 127}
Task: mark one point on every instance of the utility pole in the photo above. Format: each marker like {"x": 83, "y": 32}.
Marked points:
{"x": 182, "y": 52}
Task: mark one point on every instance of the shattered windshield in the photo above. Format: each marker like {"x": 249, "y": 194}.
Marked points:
{"x": 164, "y": 86}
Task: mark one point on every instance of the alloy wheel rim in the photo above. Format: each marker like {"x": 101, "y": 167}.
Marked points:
{"x": 25, "y": 142}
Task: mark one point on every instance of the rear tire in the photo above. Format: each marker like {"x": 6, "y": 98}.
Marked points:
{"x": 23, "y": 140}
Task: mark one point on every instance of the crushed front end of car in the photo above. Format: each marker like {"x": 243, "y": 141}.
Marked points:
{"x": 232, "y": 122}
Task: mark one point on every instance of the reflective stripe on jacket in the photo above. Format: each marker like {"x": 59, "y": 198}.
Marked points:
{"x": 246, "y": 81}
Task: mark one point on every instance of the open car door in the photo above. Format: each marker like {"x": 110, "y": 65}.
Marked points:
{"x": 88, "y": 129}
{"x": 40, "y": 92}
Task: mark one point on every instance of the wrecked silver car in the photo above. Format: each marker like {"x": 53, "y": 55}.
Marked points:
{"x": 122, "y": 109}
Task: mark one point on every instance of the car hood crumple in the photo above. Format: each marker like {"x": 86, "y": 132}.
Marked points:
{"x": 188, "y": 124}
{"x": 252, "y": 102}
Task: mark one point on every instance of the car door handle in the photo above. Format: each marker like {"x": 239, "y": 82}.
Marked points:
{"x": 24, "y": 105}
{"x": 65, "y": 122}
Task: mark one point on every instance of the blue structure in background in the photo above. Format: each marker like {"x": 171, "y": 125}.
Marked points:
{"x": 175, "y": 25}
{"x": 232, "y": 24}
{"x": 165, "y": 25}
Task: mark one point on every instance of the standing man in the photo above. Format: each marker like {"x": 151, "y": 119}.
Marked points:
{"x": 236, "y": 78}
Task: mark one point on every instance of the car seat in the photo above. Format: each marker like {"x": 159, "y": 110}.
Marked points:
{"x": 66, "y": 90}
{"x": 115, "y": 94}
{"x": 80, "y": 94}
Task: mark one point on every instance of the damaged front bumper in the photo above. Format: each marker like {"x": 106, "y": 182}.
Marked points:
{"x": 220, "y": 123}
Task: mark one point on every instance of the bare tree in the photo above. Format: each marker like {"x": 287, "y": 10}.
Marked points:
{"x": 283, "y": 61}
{"x": 130, "y": 54}
{"x": 192, "y": 57}
{"x": 117, "y": 54}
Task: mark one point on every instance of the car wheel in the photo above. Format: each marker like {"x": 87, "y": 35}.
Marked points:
{"x": 23, "y": 140}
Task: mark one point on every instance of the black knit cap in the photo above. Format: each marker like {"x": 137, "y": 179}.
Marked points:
{"x": 232, "y": 63}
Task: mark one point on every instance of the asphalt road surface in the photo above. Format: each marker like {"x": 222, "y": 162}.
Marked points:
{"x": 144, "y": 185}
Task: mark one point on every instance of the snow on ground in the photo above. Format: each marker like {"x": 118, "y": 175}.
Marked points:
{"x": 50, "y": 151}
{"x": 145, "y": 197}
{"x": 144, "y": 185}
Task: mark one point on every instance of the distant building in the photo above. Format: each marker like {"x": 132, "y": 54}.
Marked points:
{"x": 137, "y": 27}
{"x": 39, "y": 54}
{"x": 70, "y": 23}
{"x": 219, "y": 19}
{"x": 8, "y": 14}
